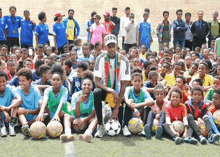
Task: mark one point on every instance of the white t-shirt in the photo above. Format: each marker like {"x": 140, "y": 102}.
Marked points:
{"x": 124, "y": 69}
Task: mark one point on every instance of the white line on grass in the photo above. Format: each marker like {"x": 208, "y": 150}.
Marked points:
{"x": 70, "y": 152}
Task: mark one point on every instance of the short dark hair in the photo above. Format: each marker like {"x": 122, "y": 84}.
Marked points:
{"x": 205, "y": 64}
{"x": 12, "y": 7}
{"x": 70, "y": 11}
{"x": 114, "y": 8}
{"x": 136, "y": 74}
{"x": 199, "y": 81}
{"x": 177, "y": 90}
{"x": 69, "y": 63}
{"x": 188, "y": 14}
{"x": 93, "y": 13}
{"x": 26, "y": 72}
{"x": 145, "y": 14}
{"x": 177, "y": 64}
{"x": 209, "y": 64}
{"x": 77, "y": 41}
{"x": 0, "y": 9}
{"x": 40, "y": 46}
{"x": 217, "y": 91}
{"x": 166, "y": 12}
{"x": 195, "y": 64}
{"x": 158, "y": 87}
{"x": 82, "y": 65}
{"x": 127, "y": 8}
{"x": 88, "y": 75}
{"x": 11, "y": 61}
{"x": 97, "y": 44}
{"x": 146, "y": 64}
{"x": 196, "y": 54}
{"x": 26, "y": 11}
{"x": 54, "y": 48}
{"x": 152, "y": 73}
{"x": 197, "y": 88}
{"x": 3, "y": 74}
{"x": 57, "y": 68}
{"x": 166, "y": 64}
{"x": 137, "y": 70}
{"x": 23, "y": 50}
{"x": 38, "y": 63}
{"x": 182, "y": 77}
{"x": 85, "y": 44}
{"x": 179, "y": 10}
{"x": 41, "y": 16}
{"x": 147, "y": 10}
{"x": 43, "y": 69}
{"x": 66, "y": 46}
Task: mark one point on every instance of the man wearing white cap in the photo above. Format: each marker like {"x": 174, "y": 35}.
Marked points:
{"x": 112, "y": 71}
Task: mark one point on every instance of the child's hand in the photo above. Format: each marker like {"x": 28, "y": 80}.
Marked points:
{"x": 157, "y": 116}
{"x": 3, "y": 108}
{"x": 56, "y": 118}
{"x": 81, "y": 99}
{"x": 8, "y": 118}
{"x": 40, "y": 117}
{"x": 176, "y": 133}
{"x": 136, "y": 113}
{"x": 185, "y": 134}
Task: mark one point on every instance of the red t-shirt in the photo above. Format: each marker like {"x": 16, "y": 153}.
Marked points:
{"x": 185, "y": 95}
{"x": 108, "y": 27}
{"x": 9, "y": 75}
{"x": 212, "y": 108}
{"x": 176, "y": 113}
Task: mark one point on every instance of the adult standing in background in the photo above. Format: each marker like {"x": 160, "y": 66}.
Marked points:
{"x": 42, "y": 30}
{"x": 89, "y": 24}
{"x": 3, "y": 29}
{"x": 164, "y": 30}
{"x": 109, "y": 25}
{"x": 146, "y": 10}
{"x": 200, "y": 30}
{"x": 116, "y": 20}
{"x": 59, "y": 32}
{"x": 179, "y": 29}
{"x": 124, "y": 21}
{"x": 214, "y": 26}
{"x": 72, "y": 26}
{"x": 13, "y": 24}
{"x": 27, "y": 28}
{"x": 188, "y": 34}
{"x": 130, "y": 33}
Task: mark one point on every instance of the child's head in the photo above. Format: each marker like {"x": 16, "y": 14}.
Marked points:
{"x": 212, "y": 44}
{"x": 62, "y": 58}
{"x": 68, "y": 65}
{"x": 48, "y": 51}
{"x": 4, "y": 49}
{"x": 166, "y": 54}
{"x": 40, "y": 51}
{"x": 14, "y": 48}
{"x": 133, "y": 52}
{"x": 94, "y": 53}
{"x": 216, "y": 82}
{"x": 180, "y": 81}
{"x": 92, "y": 64}
{"x": 3, "y": 57}
{"x": 137, "y": 80}
{"x": 216, "y": 98}
{"x": 13, "y": 57}
{"x": 45, "y": 71}
{"x": 178, "y": 49}
{"x": 38, "y": 63}
{"x": 187, "y": 50}
{"x": 188, "y": 60}
{"x": 177, "y": 68}
{"x": 85, "y": 49}
{"x": 146, "y": 16}
{"x": 138, "y": 70}
{"x": 197, "y": 49}
{"x": 11, "y": 66}
{"x": 47, "y": 60}
{"x": 143, "y": 48}
{"x": 203, "y": 68}
{"x": 165, "y": 45}
{"x": 147, "y": 65}
{"x": 153, "y": 77}
{"x": 167, "y": 59}
{"x": 159, "y": 92}
{"x": 183, "y": 52}
{"x": 195, "y": 56}
{"x": 87, "y": 83}
{"x": 175, "y": 96}
{"x": 177, "y": 57}
{"x": 197, "y": 94}
{"x": 123, "y": 52}
{"x": 81, "y": 67}
{"x": 97, "y": 18}
{"x": 205, "y": 53}
{"x": 197, "y": 82}
{"x": 25, "y": 77}
{"x": 66, "y": 48}
{"x": 24, "y": 54}
{"x": 211, "y": 57}
{"x": 55, "y": 50}
{"x": 98, "y": 46}
{"x": 153, "y": 60}
{"x": 165, "y": 67}
{"x": 73, "y": 55}
{"x": 3, "y": 80}
{"x": 59, "y": 69}
{"x": 56, "y": 80}
{"x": 78, "y": 42}
{"x": 194, "y": 68}
{"x": 28, "y": 63}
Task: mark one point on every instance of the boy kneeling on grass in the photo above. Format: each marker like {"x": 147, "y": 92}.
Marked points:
{"x": 8, "y": 99}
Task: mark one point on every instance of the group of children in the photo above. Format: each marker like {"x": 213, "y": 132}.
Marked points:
{"x": 174, "y": 84}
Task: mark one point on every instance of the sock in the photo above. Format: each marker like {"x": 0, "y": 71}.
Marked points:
{"x": 214, "y": 128}
{"x": 208, "y": 126}
{"x": 88, "y": 131}
{"x": 68, "y": 131}
{"x": 13, "y": 121}
{"x": 1, "y": 123}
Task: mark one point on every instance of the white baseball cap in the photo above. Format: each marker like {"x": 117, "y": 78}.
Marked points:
{"x": 111, "y": 38}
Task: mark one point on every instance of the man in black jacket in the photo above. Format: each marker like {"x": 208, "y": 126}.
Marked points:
{"x": 214, "y": 26}
{"x": 200, "y": 30}
{"x": 116, "y": 20}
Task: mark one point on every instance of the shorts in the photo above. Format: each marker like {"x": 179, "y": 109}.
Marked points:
{"x": 30, "y": 117}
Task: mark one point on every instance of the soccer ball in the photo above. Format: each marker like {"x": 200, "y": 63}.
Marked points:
{"x": 38, "y": 130}
{"x": 112, "y": 128}
{"x": 79, "y": 129}
{"x": 155, "y": 125}
{"x": 216, "y": 117}
{"x": 178, "y": 126}
{"x": 202, "y": 129}
{"x": 135, "y": 125}
{"x": 54, "y": 129}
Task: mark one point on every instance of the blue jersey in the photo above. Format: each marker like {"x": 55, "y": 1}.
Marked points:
{"x": 149, "y": 85}
{"x": 27, "y": 32}
{"x": 59, "y": 31}
{"x": 6, "y": 98}
{"x": 13, "y": 24}
{"x": 35, "y": 77}
{"x": 145, "y": 30}
{"x": 76, "y": 85}
{"x": 14, "y": 81}
{"x": 83, "y": 58}
{"x": 2, "y": 27}
{"x": 42, "y": 31}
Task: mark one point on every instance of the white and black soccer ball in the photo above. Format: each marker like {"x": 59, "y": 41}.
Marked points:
{"x": 112, "y": 128}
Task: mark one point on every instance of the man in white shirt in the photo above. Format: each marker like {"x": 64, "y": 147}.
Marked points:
{"x": 123, "y": 22}
{"x": 131, "y": 33}
{"x": 112, "y": 71}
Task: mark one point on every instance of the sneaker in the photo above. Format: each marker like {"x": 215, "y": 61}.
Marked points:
{"x": 85, "y": 137}
{"x": 143, "y": 133}
{"x": 214, "y": 138}
{"x": 3, "y": 131}
{"x": 11, "y": 130}
{"x": 159, "y": 132}
{"x": 202, "y": 139}
{"x": 178, "y": 140}
{"x": 147, "y": 131}
{"x": 25, "y": 130}
{"x": 190, "y": 140}
{"x": 100, "y": 131}
{"x": 126, "y": 132}
{"x": 65, "y": 137}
